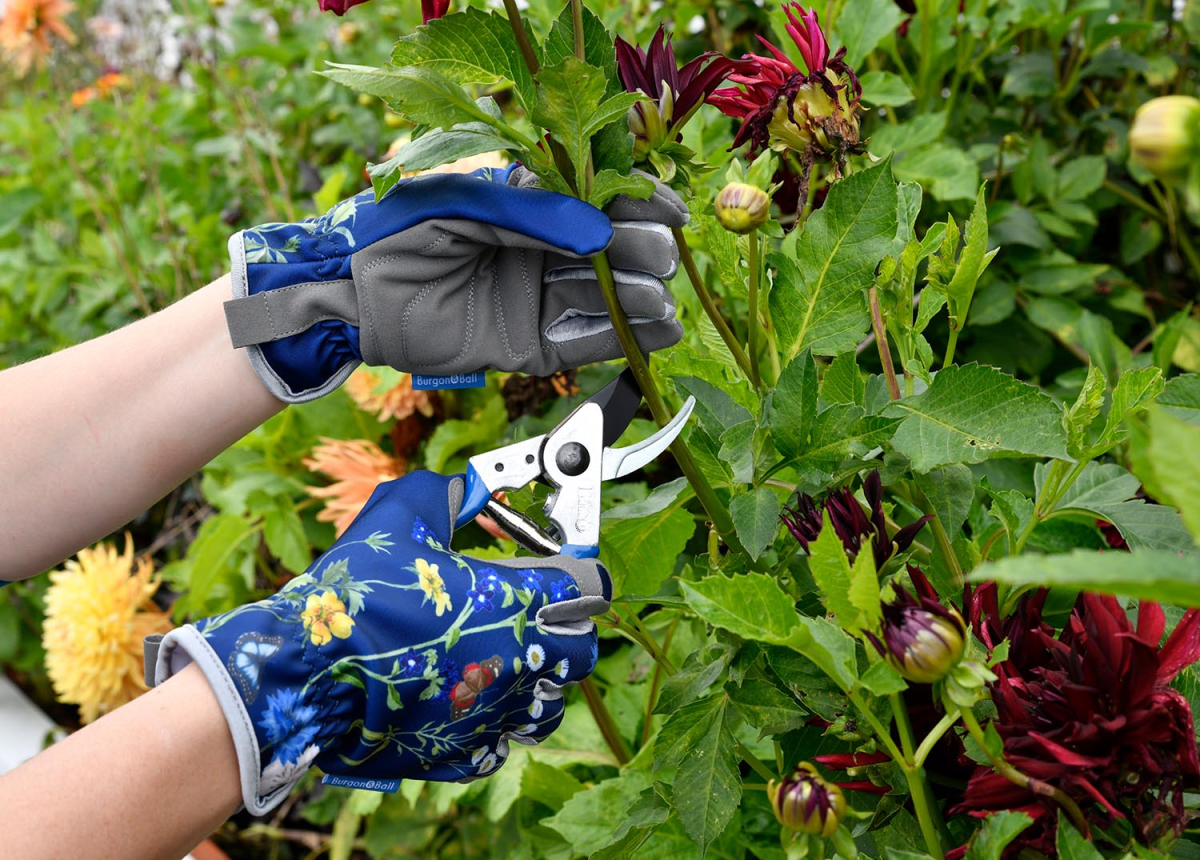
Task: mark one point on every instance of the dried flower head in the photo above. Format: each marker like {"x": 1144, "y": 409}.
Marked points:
{"x": 806, "y": 802}
{"x": 850, "y": 522}
{"x": 370, "y": 392}
{"x": 26, "y": 27}
{"x": 98, "y": 611}
{"x": 813, "y": 112}
{"x": 357, "y": 467}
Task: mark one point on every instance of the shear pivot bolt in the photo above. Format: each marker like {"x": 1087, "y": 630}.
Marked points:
{"x": 572, "y": 459}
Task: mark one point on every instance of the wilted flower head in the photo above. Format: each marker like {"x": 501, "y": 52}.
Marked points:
{"x": 98, "y": 611}
{"x": 26, "y": 27}
{"x": 806, "y": 802}
{"x": 742, "y": 208}
{"x": 1165, "y": 136}
{"x": 851, "y": 524}
{"x": 367, "y": 389}
{"x": 676, "y": 93}
{"x": 357, "y": 467}
{"x": 921, "y": 638}
{"x": 813, "y": 112}
{"x": 1090, "y": 712}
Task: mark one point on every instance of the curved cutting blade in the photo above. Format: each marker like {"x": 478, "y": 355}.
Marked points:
{"x": 618, "y": 462}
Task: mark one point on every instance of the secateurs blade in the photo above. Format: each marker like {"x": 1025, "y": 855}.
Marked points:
{"x": 574, "y": 459}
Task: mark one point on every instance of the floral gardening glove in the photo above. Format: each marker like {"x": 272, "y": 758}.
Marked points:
{"x": 450, "y": 275}
{"x": 395, "y": 657}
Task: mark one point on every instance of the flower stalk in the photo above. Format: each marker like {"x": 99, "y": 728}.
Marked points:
{"x": 604, "y": 721}
{"x": 881, "y": 343}
{"x": 752, "y": 340}
{"x": 706, "y": 301}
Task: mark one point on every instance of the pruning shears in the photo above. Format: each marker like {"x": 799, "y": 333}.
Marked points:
{"x": 574, "y": 459}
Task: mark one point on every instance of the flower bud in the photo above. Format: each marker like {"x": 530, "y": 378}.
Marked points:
{"x": 348, "y": 33}
{"x": 806, "y": 802}
{"x": 922, "y": 639}
{"x": 742, "y": 208}
{"x": 1165, "y": 137}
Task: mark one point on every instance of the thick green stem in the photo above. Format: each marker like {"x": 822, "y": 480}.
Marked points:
{"x": 920, "y": 800}
{"x": 908, "y": 744}
{"x": 951, "y": 344}
{"x": 1036, "y": 786}
{"x": 706, "y": 302}
{"x": 577, "y": 21}
{"x": 934, "y": 736}
{"x": 753, "y": 760}
{"x": 752, "y": 345}
{"x": 716, "y": 511}
{"x": 881, "y": 343}
{"x": 604, "y": 721}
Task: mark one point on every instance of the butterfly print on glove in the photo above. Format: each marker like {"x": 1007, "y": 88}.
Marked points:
{"x": 476, "y": 678}
{"x": 250, "y": 652}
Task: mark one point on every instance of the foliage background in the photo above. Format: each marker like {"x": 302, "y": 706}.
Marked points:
{"x": 99, "y": 226}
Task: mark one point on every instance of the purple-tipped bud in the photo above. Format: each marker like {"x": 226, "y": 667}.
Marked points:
{"x": 922, "y": 639}
{"x": 806, "y": 802}
{"x": 742, "y": 208}
{"x": 1165, "y": 136}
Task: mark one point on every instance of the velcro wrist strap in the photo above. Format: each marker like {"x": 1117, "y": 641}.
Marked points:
{"x": 276, "y": 314}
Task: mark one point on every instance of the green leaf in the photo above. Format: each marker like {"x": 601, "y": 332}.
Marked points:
{"x": 14, "y": 206}
{"x": 842, "y": 382}
{"x": 765, "y": 707}
{"x": 950, "y": 490}
{"x": 864, "y": 591}
{"x": 818, "y": 301}
{"x": 841, "y": 431}
{"x": 1174, "y": 455}
{"x": 639, "y": 825}
{"x": 660, "y": 499}
{"x": 1080, "y": 177}
{"x": 716, "y": 411}
{"x": 831, "y": 570}
{"x": 693, "y": 679}
{"x": 214, "y": 554}
{"x": 597, "y": 44}
{"x": 284, "y": 533}
{"x": 1073, "y": 845}
{"x": 947, "y": 171}
{"x": 588, "y": 820}
{"x": 1181, "y": 397}
{"x": 436, "y": 148}
{"x": 708, "y": 786}
{"x": 640, "y": 553}
{"x": 974, "y": 412}
{"x": 752, "y": 606}
{"x": 740, "y": 446}
{"x": 611, "y": 183}
{"x": 885, "y": 89}
{"x": 1134, "y": 389}
{"x": 419, "y": 94}
{"x": 1159, "y": 575}
{"x": 1014, "y": 511}
{"x": 862, "y": 24}
{"x": 882, "y": 680}
{"x": 548, "y": 785}
{"x": 1106, "y": 491}
{"x": 829, "y": 647}
{"x": 792, "y": 408}
{"x": 971, "y": 263}
{"x": 998, "y": 830}
{"x": 756, "y": 518}
{"x": 571, "y": 105}
{"x": 470, "y": 47}
{"x": 1078, "y": 419}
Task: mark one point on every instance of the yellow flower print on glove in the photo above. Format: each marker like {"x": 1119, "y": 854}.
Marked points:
{"x": 432, "y": 585}
{"x": 325, "y": 617}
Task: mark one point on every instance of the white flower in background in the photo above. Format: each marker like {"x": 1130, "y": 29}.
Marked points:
{"x": 535, "y": 656}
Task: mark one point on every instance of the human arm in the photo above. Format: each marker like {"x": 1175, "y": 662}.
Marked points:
{"x": 95, "y": 434}
{"x": 147, "y": 782}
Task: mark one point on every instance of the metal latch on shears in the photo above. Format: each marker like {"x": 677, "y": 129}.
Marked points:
{"x": 574, "y": 459}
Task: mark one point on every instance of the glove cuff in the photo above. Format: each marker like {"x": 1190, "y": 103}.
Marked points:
{"x": 249, "y": 331}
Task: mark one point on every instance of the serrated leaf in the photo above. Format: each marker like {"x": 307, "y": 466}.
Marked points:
{"x": 864, "y": 591}
{"x": 640, "y": 553}
{"x": 610, "y": 183}
{"x": 971, "y": 263}
{"x": 692, "y": 679}
{"x": 588, "y": 819}
{"x": 882, "y": 680}
{"x": 469, "y": 47}
{"x": 421, "y": 95}
{"x": 1181, "y": 397}
{"x": 950, "y": 490}
{"x": 1159, "y": 575}
{"x": 842, "y": 381}
{"x": 284, "y": 533}
{"x": 792, "y": 412}
{"x": 708, "y": 786}
{"x": 1014, "y": 511}
{"x": 1134, "y": 389}
{"x": 818, "y": 301}
{"x": 1174, "y": 454}
{"x": 598, "y": 47}
{"x": 831, "y": 570}
{"x": 998, "y": 830}
{"x": 756, "y": 518}
{"x": 975, "y": 412}
{"x": 752, "y": 606}
{"x": 1073, "y": 845}
{"x": 765, "y": 707}
{"x": 1078, "y": 419}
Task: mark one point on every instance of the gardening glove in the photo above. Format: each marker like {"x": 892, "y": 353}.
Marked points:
{"x": 394, "y": 656}
{"x": 450, "y": 275}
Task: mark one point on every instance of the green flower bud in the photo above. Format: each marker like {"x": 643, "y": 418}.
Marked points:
{"x": 807, "y": 803}
{"x": 922, "y": 639}
{"x": 1165, "y": 137}
{"x": 742, "y": 208}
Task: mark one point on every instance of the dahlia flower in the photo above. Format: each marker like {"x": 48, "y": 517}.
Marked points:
{"x": 357, "y": 467}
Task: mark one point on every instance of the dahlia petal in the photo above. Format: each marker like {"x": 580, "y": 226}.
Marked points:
{"x": 844, "y": 761}
{"x": 1181, "y": 649}
{"x": 1066, "y": 756}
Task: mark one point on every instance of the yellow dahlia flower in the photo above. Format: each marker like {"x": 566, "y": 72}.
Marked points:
{"x": 98, "y": 610}
{"x": 325, "y": 617}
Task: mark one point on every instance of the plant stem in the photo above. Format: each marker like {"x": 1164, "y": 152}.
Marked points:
{"x": 706, "y": 301}
{"x": 604, "y": 721}
{"x": 1036, "y": 786}
{"x": 941, "y": 537}
{"x": 934, "y": 736}
{"x": 900, "y": 715}
{"x": 951, "y": 344}
{"x": 908, "y": 744}
{"x": 920, "y": 801}
{"x": 752, "y": 760}
{"x": 656, "y": 681}
{"x": 717, "y": 512}
{"x": 885, "y": 351}
{"x": 577, "y": 22}
{"x": 752, "y": 345}
{"x": 526, "y": 49}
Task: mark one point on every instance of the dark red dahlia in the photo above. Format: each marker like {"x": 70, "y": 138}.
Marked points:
{"x": 1090, "y": 712}
{"x": 430, "y": 9}
{"x": 813, "y": 112}
{"x": 850, "y": 522}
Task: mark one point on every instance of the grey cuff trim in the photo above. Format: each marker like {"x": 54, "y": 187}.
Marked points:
{"x": 571, "y": 617}
{"x": 186, "y": 645}
{"x": 270, "y": 379}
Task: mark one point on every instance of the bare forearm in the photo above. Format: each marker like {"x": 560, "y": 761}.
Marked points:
{"x": 93, "y": 435}
{"x": 150, "y": 780}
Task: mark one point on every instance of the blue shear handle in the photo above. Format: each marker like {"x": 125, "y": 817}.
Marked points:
{"x": 475, "y": 497}
{"x": 577, "y": 551}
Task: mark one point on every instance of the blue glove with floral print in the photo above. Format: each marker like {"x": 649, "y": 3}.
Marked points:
{"x": 450, "y": 275}
{"x": 395, "y": 657}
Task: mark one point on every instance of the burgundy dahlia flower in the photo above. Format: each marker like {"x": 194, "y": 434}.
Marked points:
{"x": 430, "y": 9}
{"x": 1090, "y": 712}
{"x": 813, "y": 112}
{"x": 850, "y": 522}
